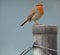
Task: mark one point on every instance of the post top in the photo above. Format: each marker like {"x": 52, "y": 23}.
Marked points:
{"x": 44, "y": 29}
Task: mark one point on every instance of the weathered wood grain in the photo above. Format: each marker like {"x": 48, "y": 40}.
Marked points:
{"x": 44, "y": 35}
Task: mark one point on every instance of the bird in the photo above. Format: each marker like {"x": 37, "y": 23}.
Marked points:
{"x": 35, "y": 14}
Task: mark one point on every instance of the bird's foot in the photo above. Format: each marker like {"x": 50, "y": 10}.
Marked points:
{"x": 36, "y": 23}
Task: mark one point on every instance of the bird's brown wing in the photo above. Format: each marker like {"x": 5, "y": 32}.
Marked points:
{"x": 31, "y": 14}
{"x": 29, "y": 17}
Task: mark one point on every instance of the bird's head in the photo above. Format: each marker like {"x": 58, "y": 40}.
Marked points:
{"x": 39, "y": 4}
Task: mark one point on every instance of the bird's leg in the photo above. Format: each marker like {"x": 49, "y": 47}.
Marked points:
{"x": 36, "y": 22}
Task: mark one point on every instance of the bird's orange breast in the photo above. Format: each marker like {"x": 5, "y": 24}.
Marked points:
{"x": 40, "y": 9}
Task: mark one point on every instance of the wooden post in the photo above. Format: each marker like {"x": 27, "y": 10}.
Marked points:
{"x": 45, "y": 36}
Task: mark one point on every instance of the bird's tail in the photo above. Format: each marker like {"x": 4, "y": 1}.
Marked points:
{"x": 24, "y": 22}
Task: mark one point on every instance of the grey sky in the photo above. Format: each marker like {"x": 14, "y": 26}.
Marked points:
{"x": 13, "y": 38}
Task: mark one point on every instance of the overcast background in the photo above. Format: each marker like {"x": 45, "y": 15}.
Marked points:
{"x": 13, "y": 38}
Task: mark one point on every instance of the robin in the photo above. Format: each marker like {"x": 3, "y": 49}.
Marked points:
{"x": 35, "y": 14}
